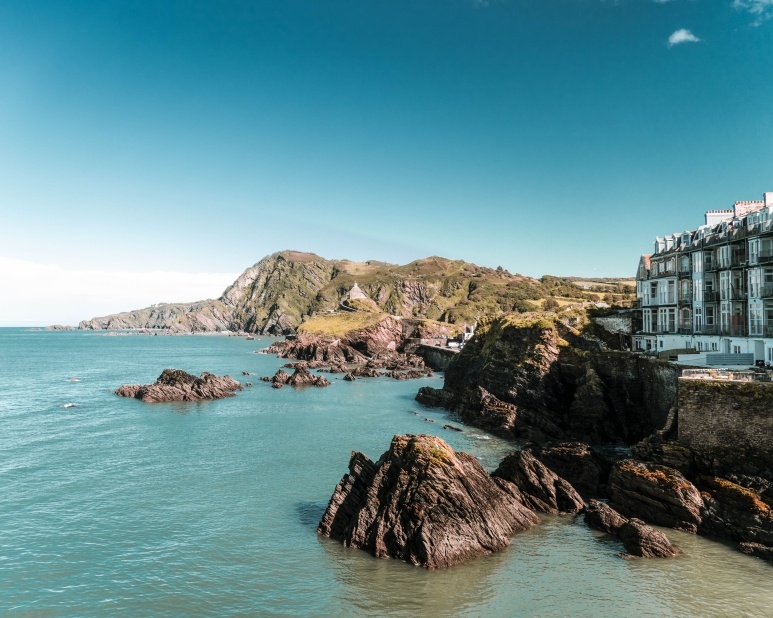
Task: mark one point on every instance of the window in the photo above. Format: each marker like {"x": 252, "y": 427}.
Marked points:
{"x": 770, "y": 355}
{"x": 661, "y": 343}
{"x": 709, "y": 316}
{"x": 714, "y": 346}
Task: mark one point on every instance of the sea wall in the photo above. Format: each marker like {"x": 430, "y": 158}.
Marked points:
{"x": 729, "y": 422}
{"x": 437, "y": 358}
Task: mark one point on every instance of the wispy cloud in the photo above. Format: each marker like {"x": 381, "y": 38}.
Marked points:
{"x": 682, "y": 36}
{"x": 763, "y": 9}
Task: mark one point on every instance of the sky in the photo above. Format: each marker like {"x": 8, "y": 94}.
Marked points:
{"x": 151, "y": 151}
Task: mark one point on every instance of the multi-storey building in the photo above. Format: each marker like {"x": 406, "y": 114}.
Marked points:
{"x": 711, "y": 289}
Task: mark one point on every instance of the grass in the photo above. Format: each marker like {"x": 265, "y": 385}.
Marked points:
{"x": 340, "y": 324}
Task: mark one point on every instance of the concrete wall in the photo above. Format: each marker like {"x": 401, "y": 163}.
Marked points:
{"x": 437, "y": 358}
{"x": 718, "y": 416}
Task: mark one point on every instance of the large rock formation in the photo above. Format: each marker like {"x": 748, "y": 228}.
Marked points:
{"x": 638, "y": 538}
{"x": 177, "y": 385}
{"x": 545, "y": 378}
{"x": 424, "y": 503}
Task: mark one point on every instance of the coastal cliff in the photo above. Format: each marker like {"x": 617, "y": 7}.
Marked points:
{"x": 549, "y": 377}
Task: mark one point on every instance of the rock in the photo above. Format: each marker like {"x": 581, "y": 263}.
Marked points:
{"x": 177, "y": 385}
{"x": 318, "y": 350}
{"x": 656, "y": 494}
{"x": 248, "y": 384}
{"x": 300, "y": 377}
{"x": 644, "y": 541}
{"x": 758, "y": 550}
{"x": 349, "y": 377}
{"x": 543, "y": 490}
{"x": 366, "y": 372}
{"x": 434, "y": 397}
{"x": 424, "y": 503}
{"x": 452, "y": 428}
{"x": 601, "y": 516}
{"x": 735, "y": 512}
{"x": 586, "y": 469}
{"x": 638, "y": 538}
{"x": 58, "y": 327}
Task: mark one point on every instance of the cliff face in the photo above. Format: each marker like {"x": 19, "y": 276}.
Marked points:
{"x": 276, "y": 294}
{"x": 541, "y": 379}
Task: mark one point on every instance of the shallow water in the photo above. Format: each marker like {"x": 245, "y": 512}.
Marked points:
{"x": 117, "y": 507}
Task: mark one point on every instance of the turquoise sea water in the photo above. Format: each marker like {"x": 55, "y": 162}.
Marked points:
{"x": 115, "y": 507}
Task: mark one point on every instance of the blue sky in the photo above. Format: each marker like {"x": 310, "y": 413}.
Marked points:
{"x": 545, "y": 136}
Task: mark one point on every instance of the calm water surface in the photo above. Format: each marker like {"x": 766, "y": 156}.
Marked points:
{"x": 115, "y": 507}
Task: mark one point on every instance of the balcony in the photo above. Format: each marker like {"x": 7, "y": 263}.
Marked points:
{"x": 732, "y": 294}
{"x": 668, "y": 272}
{"x": 710, "y": 296}
{"x": 765, "y": 257}
{"x": 766, "y": 291}
{"x": 735, "y": 330}
{"x": 685, "y": 299}
{"x": 706, "y": 329}
{"x": 738, "y": 260}
{"x": 710, "y": 266}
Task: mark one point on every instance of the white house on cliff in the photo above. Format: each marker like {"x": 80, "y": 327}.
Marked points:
{"x": 711, "y": 289}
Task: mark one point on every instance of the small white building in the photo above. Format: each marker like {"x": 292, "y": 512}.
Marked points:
{"x": 356, "y": 293}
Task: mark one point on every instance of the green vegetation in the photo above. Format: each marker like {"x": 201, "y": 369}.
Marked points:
{"x": 340, "y": 324}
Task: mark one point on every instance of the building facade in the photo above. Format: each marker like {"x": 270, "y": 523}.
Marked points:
{"x": 710, "y": 290}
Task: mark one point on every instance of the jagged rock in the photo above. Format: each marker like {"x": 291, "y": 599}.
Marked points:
{"x": 452, "y": 428}
{"x": 425, "y": 504}
{"x": 638, "y": 538}
{"x": 758, "y": 550}
{"x": 601, "y": 516}
{"x": 349, "y": 377}
{"x": 586, "y": 470}
{"x": 735, "y": 512}
{"x": 434, "y": 397}
{"x": 177, "y": 385}
{"x": 301, "y": 377}
{"x": 656, "y": 494}
{"x": 316, "y": 349}
{"x": 542, "y": 489}
{"x": 366, "y": 372}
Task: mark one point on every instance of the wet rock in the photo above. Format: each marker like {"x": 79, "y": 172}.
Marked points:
{"x": 452, "y": 428}
{"x": 542, "y": 489}
{"x": 434, "y": 397}
{"x": 638, "y": 538}
{"x": 177, "y": 385}
{"x": 425, "y": 504}
{"x": 349, "y": 377}
{"x": 758, "y": 550}
{"x": 656, "y": 494}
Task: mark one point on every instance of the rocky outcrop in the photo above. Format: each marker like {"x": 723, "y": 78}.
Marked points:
{"x": 177, "y": 385}
{"x": 560, "y": 382}
{"x": 638, "y": 538}
{"x": 424, "y": 503}
{"x": 656, "y": 494}
{"x": 542, "y": 490}
{"x": 300, "y": 377}
{"x": 578, "y": 463}
{"x": 317, "y": 349}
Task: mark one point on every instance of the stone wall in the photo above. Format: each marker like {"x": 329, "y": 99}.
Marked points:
{"x": 730, "y": 422}
{"x": 437, "y": 358}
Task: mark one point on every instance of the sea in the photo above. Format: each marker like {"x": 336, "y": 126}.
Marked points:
{"x": 113, "y": 507}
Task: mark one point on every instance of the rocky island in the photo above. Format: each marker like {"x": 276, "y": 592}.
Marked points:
{"x": 177, "y": 385}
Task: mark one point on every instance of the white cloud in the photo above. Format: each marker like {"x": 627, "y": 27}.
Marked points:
{"x": 682, "y": 36}
{"x": 42, "y": 294}
{"x": 763, "y": 9}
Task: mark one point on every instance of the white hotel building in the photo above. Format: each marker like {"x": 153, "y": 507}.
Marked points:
{"x": 710, "y": 290}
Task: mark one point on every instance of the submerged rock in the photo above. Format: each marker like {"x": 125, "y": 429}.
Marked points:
{"x": 424, "y": 503}
{"x": 638, "y": 538}
{"x": 177, "y": 385}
